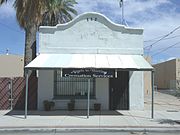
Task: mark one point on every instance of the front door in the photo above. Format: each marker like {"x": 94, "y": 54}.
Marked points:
{"x": 119, "y": 91}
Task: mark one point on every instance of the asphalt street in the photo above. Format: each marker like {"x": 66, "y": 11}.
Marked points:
{"x": 89, "y": 133}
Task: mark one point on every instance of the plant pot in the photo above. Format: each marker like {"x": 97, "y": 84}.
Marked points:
{"x": 71, "y": 106}
{"x": 97, "y": 107}
{"x": 48, "y": 105}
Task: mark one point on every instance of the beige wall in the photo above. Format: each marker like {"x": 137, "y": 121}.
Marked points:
{"x": 178, "y": 73}
{"x": 178, "y": 69}
{"x": 11, "y": 66}
{"x": 164, "y": 73}
{"x": 147, "y": 78}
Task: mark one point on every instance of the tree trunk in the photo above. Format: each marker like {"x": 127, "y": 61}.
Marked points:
{"x": 29, "y": 55}
{"x": 30, "y": 44}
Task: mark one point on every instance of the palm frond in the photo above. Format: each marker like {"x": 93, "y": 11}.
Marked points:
{"x": 67, "y": 14}
{"x": 2, "y": 1}
{"x": 59, "y": 11}
{"x": 29, "y": 12}
{"x": 71, "y": 10}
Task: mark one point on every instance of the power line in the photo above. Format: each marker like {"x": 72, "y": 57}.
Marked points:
{"x": 165, "y": 49}
{"x": 177, "y": 47}
{"x": 159, "y": 49}
{"x": 173, "y": 47}
{"x": 150, "y": 46}
{"x": 151, "y": 40}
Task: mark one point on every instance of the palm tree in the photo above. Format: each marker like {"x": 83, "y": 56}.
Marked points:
{"x": 29, "y": 16}
{"x": 59, "y": 11}
{"x": 31, "y": 13}
{"x": 2, "y": 1}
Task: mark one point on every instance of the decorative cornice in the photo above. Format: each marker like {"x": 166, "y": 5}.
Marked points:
{"x": 92, "y": 16}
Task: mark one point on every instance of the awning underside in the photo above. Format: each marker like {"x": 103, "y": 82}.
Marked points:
{"x": 106, "y": 61}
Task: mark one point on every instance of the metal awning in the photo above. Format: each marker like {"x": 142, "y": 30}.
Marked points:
{"x": 105, "y": 61}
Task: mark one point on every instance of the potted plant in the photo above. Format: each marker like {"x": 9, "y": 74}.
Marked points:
{"x": 97, "y": 106}
{"x": 71, "y": 105}
{"x": 48, "y": 105}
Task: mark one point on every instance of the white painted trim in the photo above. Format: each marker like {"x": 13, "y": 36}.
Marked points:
{"x": 100, "y": 18}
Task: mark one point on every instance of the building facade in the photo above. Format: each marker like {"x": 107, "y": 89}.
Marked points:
{"x": 93, "y": 48}
{"x": 167, "y": 74}
{"x": 11, "y": 81}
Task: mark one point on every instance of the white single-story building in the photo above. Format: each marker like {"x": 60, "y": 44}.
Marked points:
{"x": 91, "y": 47}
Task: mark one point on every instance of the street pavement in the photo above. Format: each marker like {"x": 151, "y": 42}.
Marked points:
{"x": 166, "y": 118}
{"x": 90, "y": 133}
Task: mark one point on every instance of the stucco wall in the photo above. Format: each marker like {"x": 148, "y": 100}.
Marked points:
{"x": 11, "y": 66}
{"x": 136, "y": 98}
{"x": 102, "y": 92}
{"x": 136, "y": 84}
{"x": 46, "y": 88}
{"x": 89, "y": 36}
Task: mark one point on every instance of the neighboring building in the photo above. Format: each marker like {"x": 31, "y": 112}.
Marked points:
{"x": 91, "y": 52}
{"x": 11, "y": 66}
{"x": 147, "y": 79}
{"x": 167, "y": 74}
{"x": 12, "y": 84}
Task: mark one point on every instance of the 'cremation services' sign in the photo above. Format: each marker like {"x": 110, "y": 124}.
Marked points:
{"x": 97, "y": 73}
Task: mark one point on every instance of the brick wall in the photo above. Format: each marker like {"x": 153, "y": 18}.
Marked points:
{"x": 18, "y": 88}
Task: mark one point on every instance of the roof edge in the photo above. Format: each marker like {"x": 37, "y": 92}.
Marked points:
{"x": 100, "y": 18}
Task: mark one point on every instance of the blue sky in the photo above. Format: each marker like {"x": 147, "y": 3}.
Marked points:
{"x": 157, "y": 17}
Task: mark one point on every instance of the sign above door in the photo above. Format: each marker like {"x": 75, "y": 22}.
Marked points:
{"x": 88, "y": 73}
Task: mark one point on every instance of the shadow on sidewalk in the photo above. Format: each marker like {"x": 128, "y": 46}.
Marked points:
{"x": 63, "y": 113}
{"x": 168, "y": 121}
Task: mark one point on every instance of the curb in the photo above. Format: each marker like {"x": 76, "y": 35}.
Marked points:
{"x": 90, "y": 129}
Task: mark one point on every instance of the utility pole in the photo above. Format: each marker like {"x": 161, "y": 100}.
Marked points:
{"x": 7, "y": 51}
{"x": 121, "y": 5}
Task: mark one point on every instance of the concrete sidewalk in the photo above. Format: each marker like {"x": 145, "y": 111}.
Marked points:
{"x": 167, "y": 117}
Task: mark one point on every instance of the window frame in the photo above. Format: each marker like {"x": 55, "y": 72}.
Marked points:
{"x": 55, "y": 96}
